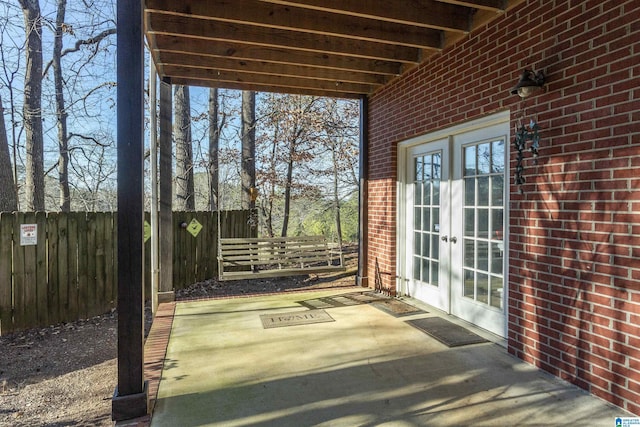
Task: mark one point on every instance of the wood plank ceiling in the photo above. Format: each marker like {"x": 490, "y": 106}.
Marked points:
{"x": 338, "y": 48}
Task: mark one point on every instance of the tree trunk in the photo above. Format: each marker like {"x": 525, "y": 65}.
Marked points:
{"x": 8, "y": 196}
{"x": 336, "y": 195}
{"x": 248, "y": 172}
{"x": 61, "y": 112}
{"x": 32, "y": 110}
{"x": 184, "y": 150}
{"x": 287, "y": 190}
{"x": 214, "y": 146}
{"x": 267, "y": 203}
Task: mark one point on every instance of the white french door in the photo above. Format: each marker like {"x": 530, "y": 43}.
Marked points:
{"x": 427, "y": 220}
{"x": 455, "y": 224}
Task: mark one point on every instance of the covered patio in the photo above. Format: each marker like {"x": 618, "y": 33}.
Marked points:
{"x": 344, "y": 49}
{"x": 432, "y": 76}
{"x": 365, "y": 368}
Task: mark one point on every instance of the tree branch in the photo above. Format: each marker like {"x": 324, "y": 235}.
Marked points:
{"x": 79, "y": 43}
{"x": 88, "y": 138}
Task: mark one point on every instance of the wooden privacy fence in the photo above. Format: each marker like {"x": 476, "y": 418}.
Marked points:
{"x": 66, "y": 268}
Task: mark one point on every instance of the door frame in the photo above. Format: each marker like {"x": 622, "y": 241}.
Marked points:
{"x": 403, "y": 275}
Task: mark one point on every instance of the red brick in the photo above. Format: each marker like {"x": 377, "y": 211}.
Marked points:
{"x": 575, "y": 228}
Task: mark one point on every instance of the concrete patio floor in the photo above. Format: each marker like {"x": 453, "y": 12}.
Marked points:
{"x": 366, "y": 368}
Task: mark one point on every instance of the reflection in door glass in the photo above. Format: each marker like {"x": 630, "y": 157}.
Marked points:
{"x": 426, "y": 222}
{"x": 483, "y": 177}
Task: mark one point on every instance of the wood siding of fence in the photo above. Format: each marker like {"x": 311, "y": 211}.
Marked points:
{"x": 72, "y": 272}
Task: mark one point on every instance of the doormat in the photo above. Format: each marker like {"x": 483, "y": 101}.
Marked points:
{"x": 397, "y": 308}
{"x": 366, "y": 297}
{"x": 294, "y": 318}
{"x": 448, "y": 333}
{"x": 328, "y": 302}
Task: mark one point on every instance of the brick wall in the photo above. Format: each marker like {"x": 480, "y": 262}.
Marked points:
{"x": 574, "y": 259}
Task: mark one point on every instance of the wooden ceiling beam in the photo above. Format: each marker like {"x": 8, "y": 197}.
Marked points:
{"x": 489, "y": 5}
{"x": 275, "y": 16}
{"x": 238, "y": 77}
{"x": 424, "y": 13}
{"x": 159, "y": 23}
{"x": 341, "y": 48}
{"x": 240, "y": 51}
{"x": 263, "y": 88}
{"x": 268, "y": 68}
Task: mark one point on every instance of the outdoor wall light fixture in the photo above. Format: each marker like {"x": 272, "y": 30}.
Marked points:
{"x": 529, "y": 83}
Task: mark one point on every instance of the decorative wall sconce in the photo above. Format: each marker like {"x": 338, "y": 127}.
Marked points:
{"x": 530, "y": 82}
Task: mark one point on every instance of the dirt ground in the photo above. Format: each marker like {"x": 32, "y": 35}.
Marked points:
{"x": 65, "y": 375}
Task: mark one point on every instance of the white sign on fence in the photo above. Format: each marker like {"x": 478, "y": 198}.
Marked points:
{"x": 28, "y": 234}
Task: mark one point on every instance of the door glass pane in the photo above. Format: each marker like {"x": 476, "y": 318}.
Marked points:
{"x": 482, "y": 288}
{"x": 496, "y": 291}
{"x": 484, "y": 159}
{"x": 469, "y": 191}
{"x": 434, "y": 272}
{"x": 497, "y": 190}
{"x": 482, "y": 256}
{"x": 425, "y": 270}
{"x": 416, "y": 268}
{"x": 469, "y": 222}
{"x": 469, "y": 252}
{"x": 497, "y": 156}
{"x": 484, "y": 164}
{"x": 483, "y": 191}
{"x": 436, "y": 192}
{"x": 469, "y": 284}
{"x": 483, "y": 223}
{"x": 435, "y": 246}
{"x": 419, "y": 162}
{"x": 496, "y": 223}
{"x": 470, "y": 160}
{"x": 426, "y": 218}
{"x": 436, "y": 220}
{"x": 426, "y": 243}
{"x": 497, "y": 254}
{"x": 426, "y": 208}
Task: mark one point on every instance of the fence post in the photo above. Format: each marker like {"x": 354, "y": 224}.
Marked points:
{"x": 6, "y": 283}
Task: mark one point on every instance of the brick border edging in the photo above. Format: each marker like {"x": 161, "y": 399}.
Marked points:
{"x": 155, "y": 349}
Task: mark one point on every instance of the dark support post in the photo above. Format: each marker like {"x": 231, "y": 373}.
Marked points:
{"x": 130, "y": 399}
{"x": 166, "y": 293}
{"x": 363, "y": 232}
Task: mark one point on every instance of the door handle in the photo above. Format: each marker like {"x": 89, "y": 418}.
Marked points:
{"x": 454, "y": 239}
{"x": 444, "y": 238}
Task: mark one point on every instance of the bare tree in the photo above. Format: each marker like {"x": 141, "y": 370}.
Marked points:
{"x": 308, "y": 150}
{"x": 185, "y": 199}
{"x": 248, "y": 167}
{"x": 32, "y": 109}
{"x": 215, "y": 129}
{"x": 61, "y": 27}
{"x": 341, "y": 140}
{"x": 61, "y": 112}
{"x": 11, "y": 52}
{"x": 8, "y": 194}
{"x": 302, "y": 125}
